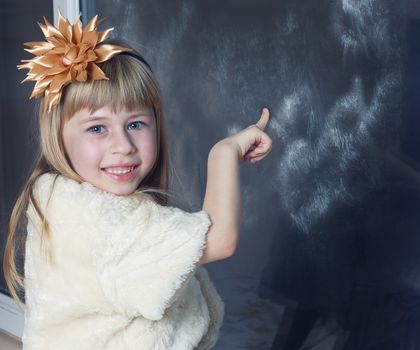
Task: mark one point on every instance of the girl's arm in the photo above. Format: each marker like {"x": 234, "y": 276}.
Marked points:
{"x": 222, "y": 197}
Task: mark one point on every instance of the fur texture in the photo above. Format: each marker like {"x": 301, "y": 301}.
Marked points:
{"x": 122, "y": 275}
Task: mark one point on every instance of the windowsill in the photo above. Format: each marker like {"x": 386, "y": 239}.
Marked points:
{"x": 11, "y": 317}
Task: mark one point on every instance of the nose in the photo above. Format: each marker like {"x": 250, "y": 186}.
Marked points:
{"x": 121, "y": 143}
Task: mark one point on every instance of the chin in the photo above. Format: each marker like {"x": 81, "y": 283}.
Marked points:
{"x": 121, "y": 191}
{"x": 119, "y": 188}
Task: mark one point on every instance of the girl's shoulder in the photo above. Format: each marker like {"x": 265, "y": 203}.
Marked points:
{"x": 54, "y": 187}
{"x": 53, "y": 181}
{"x": 63, "y": 199}
{"x": 66, "y": 197}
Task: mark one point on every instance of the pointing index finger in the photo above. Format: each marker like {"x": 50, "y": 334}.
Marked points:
{"x": 265, "y": 116}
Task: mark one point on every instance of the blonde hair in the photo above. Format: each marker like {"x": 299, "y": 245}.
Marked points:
{"x": 131, "y": 85}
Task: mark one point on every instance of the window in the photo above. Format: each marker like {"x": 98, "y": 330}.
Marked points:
{"x": 18, "y": 142}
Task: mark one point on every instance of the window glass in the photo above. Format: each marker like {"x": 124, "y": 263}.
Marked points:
{"x": 18, "y": 143}
{"x": 330, "y": 231}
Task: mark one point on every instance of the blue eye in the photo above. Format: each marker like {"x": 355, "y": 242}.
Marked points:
{"x": 135, "y": 125}
{"x": 96, "y": 129}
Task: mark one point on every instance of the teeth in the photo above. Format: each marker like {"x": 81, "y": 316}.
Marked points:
{"x": 119, "y": 171}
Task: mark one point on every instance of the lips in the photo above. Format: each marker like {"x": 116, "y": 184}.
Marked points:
{"x": 120, "y": 172}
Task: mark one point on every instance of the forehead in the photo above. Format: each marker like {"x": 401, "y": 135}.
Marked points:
{"x": 114, "y": 95}
{"x": 114, "y": 114}
{"x": 122, "y": 110}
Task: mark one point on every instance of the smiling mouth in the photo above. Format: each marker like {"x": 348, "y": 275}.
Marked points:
{"x": 119, "y": 170}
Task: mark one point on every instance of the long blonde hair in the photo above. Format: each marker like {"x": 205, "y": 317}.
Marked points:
{"x": 131, "y": 85}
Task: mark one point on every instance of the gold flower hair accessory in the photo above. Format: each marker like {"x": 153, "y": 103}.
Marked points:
{"x": 70, "y": 54}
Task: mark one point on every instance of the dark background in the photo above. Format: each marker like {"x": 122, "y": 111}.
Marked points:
{"x": 330, "y": 228}
{"x": 18, "y": 139}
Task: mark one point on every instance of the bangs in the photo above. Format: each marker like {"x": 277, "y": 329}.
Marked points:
{"x": 131, "y": 85}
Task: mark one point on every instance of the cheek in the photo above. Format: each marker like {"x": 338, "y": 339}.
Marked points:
{"x": 149, "y": 149}
{"x": 82, "y": 155}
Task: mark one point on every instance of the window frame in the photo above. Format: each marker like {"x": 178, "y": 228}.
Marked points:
{"x": 11, "y": 316}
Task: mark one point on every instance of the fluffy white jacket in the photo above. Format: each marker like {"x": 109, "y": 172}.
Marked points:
{"x": 123, "y": 273}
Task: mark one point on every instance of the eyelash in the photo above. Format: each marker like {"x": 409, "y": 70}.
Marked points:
{"x": 137, "y": 125}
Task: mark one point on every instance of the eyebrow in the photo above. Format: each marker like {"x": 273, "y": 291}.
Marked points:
{"x": 133, "y": 115}
{"x": 95, "y": 118}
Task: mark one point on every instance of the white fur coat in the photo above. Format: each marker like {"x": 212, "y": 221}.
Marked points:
{"x": 123, "y": 274}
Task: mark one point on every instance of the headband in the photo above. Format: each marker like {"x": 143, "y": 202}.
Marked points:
{"x": 137, "y": 56}
{"x": 70, "y": 54}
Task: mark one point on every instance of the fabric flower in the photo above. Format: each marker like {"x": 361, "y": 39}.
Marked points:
{"x": 70, "y": 54}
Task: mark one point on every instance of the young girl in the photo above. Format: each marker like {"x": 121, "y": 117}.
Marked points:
{"x": 107, "y": 264}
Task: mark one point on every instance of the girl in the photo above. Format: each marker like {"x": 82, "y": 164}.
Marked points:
{"x": 107, "y": 264}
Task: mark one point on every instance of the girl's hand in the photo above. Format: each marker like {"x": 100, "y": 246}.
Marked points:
{"x": 252, "y": 143}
